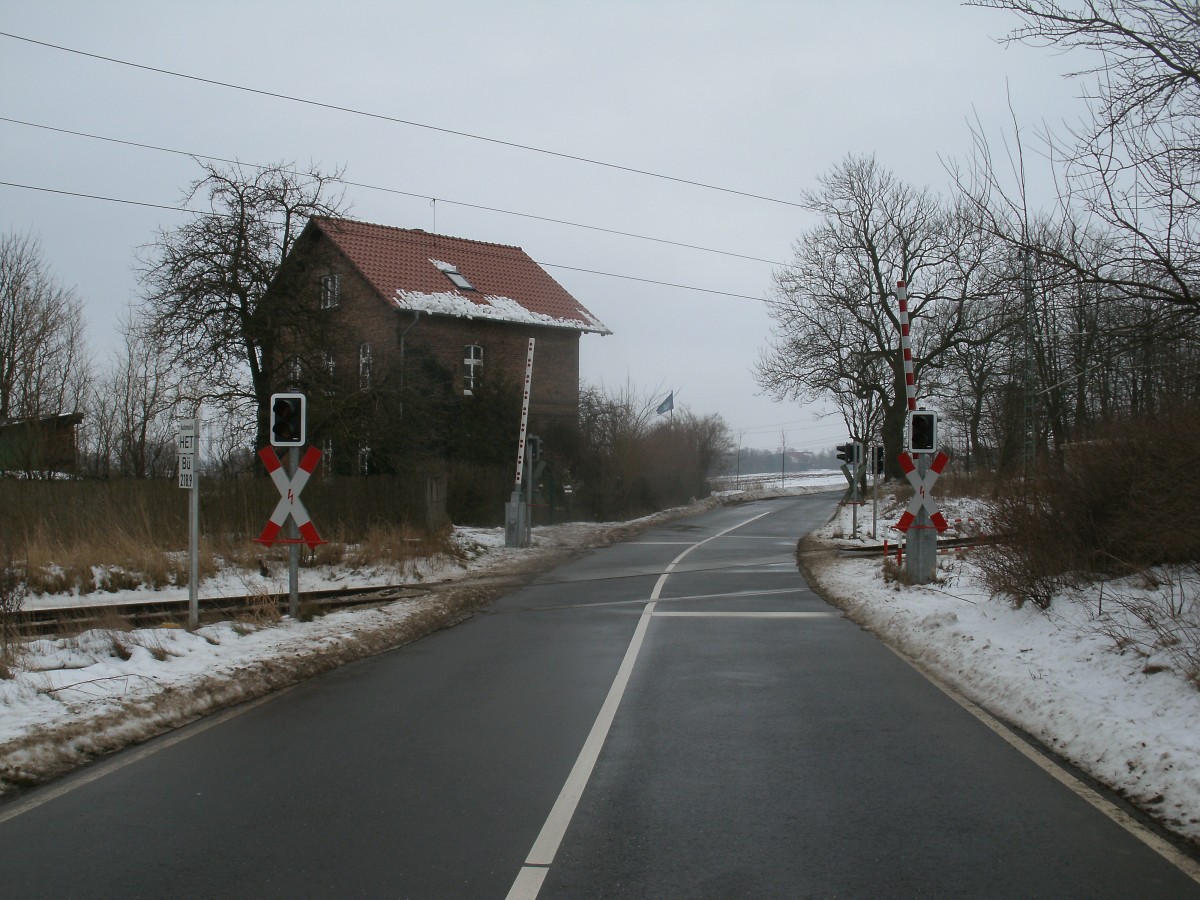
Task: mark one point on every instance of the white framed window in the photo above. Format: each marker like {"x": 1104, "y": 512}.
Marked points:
{"x": 472, "y": 368}
{"x": 364, "y": 366}
{"x": 329, "y": 364}
{"x": 331, "y": 290}
{"x": 295, "y": 371}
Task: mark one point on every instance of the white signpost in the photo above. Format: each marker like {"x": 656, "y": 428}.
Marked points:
{"x": 189, "y": 435}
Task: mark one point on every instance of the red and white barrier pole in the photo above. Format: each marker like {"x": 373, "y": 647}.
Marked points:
{"x": 910, "y": 386}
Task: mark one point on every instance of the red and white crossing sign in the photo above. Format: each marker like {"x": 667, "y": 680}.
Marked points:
{"x": 289, "y": 503}
{"x": 921, "y": 492}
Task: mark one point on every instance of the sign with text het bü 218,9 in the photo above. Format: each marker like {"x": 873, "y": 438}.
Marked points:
{"x": 187, "y": 454}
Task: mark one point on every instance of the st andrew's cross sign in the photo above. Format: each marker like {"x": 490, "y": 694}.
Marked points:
{"x": 289, "y": 498}
{"x": 922, "y": 485}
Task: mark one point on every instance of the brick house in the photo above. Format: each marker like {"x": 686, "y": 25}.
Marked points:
{"x": 472, "y": 306}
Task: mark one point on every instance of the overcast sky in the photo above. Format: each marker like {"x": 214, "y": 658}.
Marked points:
{"x": 754, "y": 96}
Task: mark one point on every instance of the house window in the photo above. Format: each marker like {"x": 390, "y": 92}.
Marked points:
{"x": 331, "y": 290}
{"x": 364, "y": 460}
{"x": 364, "y": 366}
{"x": 472, "y": 368}
{"x": 329, "y": 365}
{"x": 295, "y": 371}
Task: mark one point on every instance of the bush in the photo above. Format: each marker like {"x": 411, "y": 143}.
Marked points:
{"x": 1119, "y": 500}
{"x": 631, "y": 464}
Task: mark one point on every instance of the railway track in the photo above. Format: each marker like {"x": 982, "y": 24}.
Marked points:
{"x": 166, "y": 613}
{"x": 942, "y": 545}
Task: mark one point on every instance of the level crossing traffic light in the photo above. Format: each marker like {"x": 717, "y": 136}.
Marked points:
{"x": 922, "y": 431}
{"x": 287, "y": 420}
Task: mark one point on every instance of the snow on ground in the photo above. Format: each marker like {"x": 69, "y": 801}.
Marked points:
{"x": 1129, "y": 723}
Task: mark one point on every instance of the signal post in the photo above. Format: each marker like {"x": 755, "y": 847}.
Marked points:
{"x": 852, "y": 456}
{"x": 288, "y": 426}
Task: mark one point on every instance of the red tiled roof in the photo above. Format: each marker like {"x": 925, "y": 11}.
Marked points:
{"x": 401, "y": 264}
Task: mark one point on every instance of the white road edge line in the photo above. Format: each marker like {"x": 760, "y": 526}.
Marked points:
{"x": 1163, "y": 848}
{"x": 720, "y": 614}
{"x": 102, "y": 769}
{"x": 533, "y": 873}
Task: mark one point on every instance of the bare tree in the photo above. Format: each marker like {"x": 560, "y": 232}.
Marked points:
{"x": 98, "y": 431}
{"x": 1133, "y": 168}
{"x": 837, "y": 332}
{"x": 1093, "y": 334}
{"x": 205, "y": 282}
{"x": 43, "y": 362}
{"x": 144, "y": 391}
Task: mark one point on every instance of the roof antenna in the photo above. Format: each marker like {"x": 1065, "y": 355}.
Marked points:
{"x": 433, "y": 203}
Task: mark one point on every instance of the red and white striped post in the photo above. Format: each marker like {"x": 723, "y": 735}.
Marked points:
{"x": 922, "y": 515}
{"x": 516, "y": 511}
{"x": 524, "y": 416}
{"x": 910, "y": 385}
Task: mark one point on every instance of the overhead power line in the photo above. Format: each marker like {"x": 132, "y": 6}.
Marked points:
{"x": 396, "y": 120}
{"x": 184, "y": 209}
{"x": 388, "y": 190}
{"x": 685, "y": 287}
{"x": 46, "y": 190}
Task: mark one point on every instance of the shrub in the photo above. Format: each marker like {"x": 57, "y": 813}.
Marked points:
{"x": 1120, "y": 499}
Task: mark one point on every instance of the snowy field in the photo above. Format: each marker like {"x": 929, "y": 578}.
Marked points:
{"x": 1129, "y": 721}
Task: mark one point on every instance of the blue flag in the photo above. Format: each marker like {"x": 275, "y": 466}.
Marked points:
{"x": 667, "y": 405}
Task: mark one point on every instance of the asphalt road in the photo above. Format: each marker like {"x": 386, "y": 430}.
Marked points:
{"x": 675, "y": 716}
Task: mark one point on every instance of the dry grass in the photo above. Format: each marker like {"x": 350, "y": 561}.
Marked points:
{"x": 113, "y": 560}
{"x": 1163, "y": 622}
{"x": 262, "y": 611}
{"x": 395, "y": 546}
{"x": 88, "y": 536}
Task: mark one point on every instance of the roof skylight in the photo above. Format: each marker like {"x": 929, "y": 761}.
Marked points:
{"x": 456, "y": 277}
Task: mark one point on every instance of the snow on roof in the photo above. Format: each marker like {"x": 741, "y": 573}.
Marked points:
{"x": 409, "y": 269}
{"x": 500, "y": 309}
